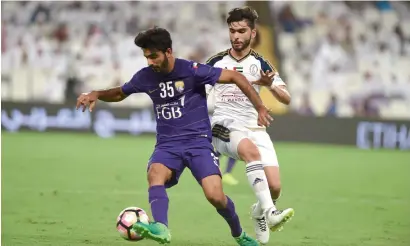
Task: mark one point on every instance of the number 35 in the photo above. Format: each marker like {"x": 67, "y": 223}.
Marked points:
{"x": 166, "y": 89}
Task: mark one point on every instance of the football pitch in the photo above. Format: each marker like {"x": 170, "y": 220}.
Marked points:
{"x": 67, "y": 189}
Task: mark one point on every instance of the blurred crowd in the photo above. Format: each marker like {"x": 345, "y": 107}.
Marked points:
{"x": 346, "y": 58}
{"x": 53, "y": 50}
{"x": 338, "y": 58}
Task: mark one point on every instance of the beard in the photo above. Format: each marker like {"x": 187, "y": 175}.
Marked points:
{"x": 161, "y": 67}
{"x": 245, "y": 44}
{"x": 164, "y": 64}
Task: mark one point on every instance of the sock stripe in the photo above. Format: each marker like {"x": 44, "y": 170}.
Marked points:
{"x": 254, "y": 168}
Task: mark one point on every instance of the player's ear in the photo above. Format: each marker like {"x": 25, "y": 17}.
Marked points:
{"x": 253, "y": 33}
{"x": 168, "y": 52}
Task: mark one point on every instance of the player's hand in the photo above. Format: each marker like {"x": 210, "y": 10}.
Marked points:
{"x": 266, "y": 78}
{"x": 87, "y": 100}
{"x": 264, "y": 118}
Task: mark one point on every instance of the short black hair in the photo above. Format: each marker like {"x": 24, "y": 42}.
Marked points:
{"x": 155, "y": 38}
{"x": 246, "y": 13}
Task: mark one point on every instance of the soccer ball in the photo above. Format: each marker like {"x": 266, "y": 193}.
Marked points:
{"x": 127, "y": 218}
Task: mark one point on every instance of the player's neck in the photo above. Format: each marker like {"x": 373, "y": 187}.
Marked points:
{"x": 171, "y": 64}
{"x": 238, "y": 55}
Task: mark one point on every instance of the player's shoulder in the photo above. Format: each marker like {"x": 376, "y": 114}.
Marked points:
{"x": 145, "y": 71}
{"x": 258, "y": 56}
{"x": 217, "y": 57}
{"x": 142, "y": 75}
{"x": 265, "y": 63}
{"x": 187, "y": 65}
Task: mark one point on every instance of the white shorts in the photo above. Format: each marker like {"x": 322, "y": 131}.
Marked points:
{"x": 259, "y": 137}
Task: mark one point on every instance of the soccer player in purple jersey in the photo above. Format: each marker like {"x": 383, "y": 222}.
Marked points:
{"x": 177, "y": 89}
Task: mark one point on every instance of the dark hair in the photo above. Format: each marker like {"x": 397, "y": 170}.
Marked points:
{"x": 246, "y": 13}
{"x": 155, "y": 38}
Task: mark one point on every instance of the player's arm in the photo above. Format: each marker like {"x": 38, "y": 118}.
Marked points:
{"x": 115, "y": 94}
{"x": 205, "y": 74}
{"x": 229, "y": 77}
{"x": 281, "y": 93}
{"x": 270, "y": 78}
{"x": 111, "y": 95}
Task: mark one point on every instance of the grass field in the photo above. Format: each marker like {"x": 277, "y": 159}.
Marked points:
{"x": 67, "y": 189}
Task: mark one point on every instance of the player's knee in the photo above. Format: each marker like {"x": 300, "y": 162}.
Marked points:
{"x": 212, "y": 187}
{"x": 248, "y": 151}
{"x": 216, "y": 198}
{"x": 158, "y": 174}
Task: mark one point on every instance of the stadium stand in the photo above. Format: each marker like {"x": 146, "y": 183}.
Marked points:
{"x": 44, "y": 44}
{"x": 339, "y": 58}
{"x": 346, "y": 58}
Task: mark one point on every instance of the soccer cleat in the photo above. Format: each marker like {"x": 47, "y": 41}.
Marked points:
{"x": 276, "y": 219}
{"x": 228, "y": 179}
{"x": 260, "y": 225}
{"x": 154, "y": 231}
{"x": 245, "y": 240}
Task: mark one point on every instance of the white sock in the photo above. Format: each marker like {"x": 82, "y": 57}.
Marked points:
{"x": 257, "y": 180}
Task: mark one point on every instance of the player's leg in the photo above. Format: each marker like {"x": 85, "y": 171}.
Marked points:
{"x": 220, "y": 141}
{"x": 164, "y": 170}
{"x": 158, "y": 175}
{"x": 248, "y": 152}
{"x": 271, "y": 168}
{"x": 273, "y": 175}
{"x": 227, "y": 177}
{"x": 212, "y": 187}
{"x": 230, "y": 164}
{"x": 236, "y": 144}
{"x": 221, "y": 147}
{"x": 204, "y": 168}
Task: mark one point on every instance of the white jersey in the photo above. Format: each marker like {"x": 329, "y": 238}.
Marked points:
{"x": 232, "y": 108}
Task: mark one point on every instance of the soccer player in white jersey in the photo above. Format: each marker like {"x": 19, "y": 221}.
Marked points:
{"x": 234, "y": 122}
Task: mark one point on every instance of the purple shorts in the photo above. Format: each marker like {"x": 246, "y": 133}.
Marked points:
{"x": 197, "y": 155}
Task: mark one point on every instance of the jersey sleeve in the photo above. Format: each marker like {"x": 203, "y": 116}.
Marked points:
{"x": 266, "y": 65}
{"x": 134, "y": 85}
{"x": 205, "y": 74}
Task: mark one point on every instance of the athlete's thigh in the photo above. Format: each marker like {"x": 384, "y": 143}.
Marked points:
{"x": 172, "y": 159}
{"x": 226, "y": 142}
{"x": 266, "y": 148}
{"x": 202, "y": 161}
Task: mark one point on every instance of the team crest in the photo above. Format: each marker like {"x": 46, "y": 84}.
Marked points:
{"x": 253, "y": 69}
{"x": 180, "y": 86}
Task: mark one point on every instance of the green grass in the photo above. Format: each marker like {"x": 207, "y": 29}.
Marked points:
{"x": 67, "y": 189}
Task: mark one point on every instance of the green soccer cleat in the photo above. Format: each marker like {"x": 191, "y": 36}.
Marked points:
{"x": 154, "y": 231}
{"x": 245, "y": 240}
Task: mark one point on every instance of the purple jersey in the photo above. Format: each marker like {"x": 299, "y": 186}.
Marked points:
{"x": 179, "y": 98}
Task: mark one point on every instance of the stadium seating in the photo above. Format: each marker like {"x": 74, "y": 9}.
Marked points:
{"x": 93, "y": 41}
{"x": 353, "y": 70}
{"x": 100, "y": 57}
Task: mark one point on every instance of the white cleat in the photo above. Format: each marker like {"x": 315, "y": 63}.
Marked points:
{"x": 276, "y": 219}
{"x": 260, "y": 225}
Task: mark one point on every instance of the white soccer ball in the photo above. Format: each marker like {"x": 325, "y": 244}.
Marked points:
{"x": 127, "y": 218}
